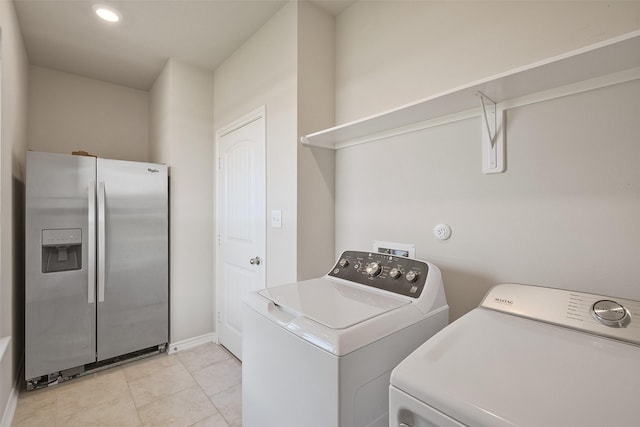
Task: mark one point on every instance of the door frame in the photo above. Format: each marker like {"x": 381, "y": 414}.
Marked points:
{"x": 257, "y": 114}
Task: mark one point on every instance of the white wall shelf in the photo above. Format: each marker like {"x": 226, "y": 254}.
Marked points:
{"x": 610, "y": 62}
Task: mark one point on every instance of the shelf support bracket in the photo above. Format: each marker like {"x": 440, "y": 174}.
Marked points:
{"x": 492, "y": 135}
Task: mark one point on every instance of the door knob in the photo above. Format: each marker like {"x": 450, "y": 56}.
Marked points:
{"x": 255, "y": 261}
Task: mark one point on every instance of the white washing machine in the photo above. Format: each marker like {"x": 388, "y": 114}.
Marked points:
{"x": 320, "y": 352}
{"x": 528, "y": 356}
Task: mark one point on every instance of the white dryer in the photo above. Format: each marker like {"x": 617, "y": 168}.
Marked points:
{"x": 528, "y": 356}
{"x": 320, "y": 352}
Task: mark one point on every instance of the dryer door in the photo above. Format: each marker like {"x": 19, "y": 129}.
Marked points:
{"x": 494, "y": 369}
{"x": 405, "y": 411}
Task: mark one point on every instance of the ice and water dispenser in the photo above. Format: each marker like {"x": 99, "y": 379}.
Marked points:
{"x": 61, "y": 250}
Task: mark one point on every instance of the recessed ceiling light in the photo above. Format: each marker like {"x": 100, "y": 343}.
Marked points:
{"x": 106, "y": 13}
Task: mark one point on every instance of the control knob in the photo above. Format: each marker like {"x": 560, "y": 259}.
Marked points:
{"x": 343, "y": 262}
{"x": 610, "y": 313}
{"x": 412, "y": 276}
{"x": 395, "y": 273}
{"x": 373, "y": 269}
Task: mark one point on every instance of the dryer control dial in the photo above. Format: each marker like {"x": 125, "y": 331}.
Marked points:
{"x": 610, "y": 313}
{"x": 373, "y": 269}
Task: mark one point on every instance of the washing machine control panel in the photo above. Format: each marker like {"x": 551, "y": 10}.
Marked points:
{"x": 400, "y": 275}
{"x": 615, "y": 318}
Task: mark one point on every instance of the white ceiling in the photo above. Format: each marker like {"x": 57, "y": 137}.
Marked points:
{"x": 66, "y": 35}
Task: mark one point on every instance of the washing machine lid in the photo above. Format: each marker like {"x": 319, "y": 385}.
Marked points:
{"x": 495, "y": 369}
{"x": 331, "y": 303}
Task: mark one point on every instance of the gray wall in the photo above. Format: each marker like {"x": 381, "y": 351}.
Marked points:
{"x": 263, "y": 71}
{"x": 564, "y": 214}
{"x": 288, "y": 66}
{"x": 391, "y": 53}
{"x": 316, "y": 166}
{"x": 13, "y": 123}
{"x": 181, "y": 130}
{"x": 69, "y": 113}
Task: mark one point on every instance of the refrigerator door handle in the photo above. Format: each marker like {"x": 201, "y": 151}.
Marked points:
{"x": 91, "y": 249}
{"x": 101, "y": 242}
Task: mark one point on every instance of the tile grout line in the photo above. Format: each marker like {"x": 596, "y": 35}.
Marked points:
{"x": 182, "y": 361}
{"x": 205, "y": 393}
{"x": 232, "y": 357}
{"x": 159, "y": 397}
{"x": 132, "y": 399}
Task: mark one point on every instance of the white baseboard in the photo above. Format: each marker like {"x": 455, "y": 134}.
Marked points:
{"x": 192, "y": 342}
{"x": 10, "y": 409}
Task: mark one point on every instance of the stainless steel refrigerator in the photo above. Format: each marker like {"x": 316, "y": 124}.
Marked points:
{"x": 96, "y": 262}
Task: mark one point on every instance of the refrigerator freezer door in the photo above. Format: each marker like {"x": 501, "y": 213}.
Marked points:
{"x": 134, "y": 206}
{"x": 59, "y": 291}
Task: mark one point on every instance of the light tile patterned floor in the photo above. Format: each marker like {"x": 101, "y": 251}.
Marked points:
{"x": 200, "y": 387}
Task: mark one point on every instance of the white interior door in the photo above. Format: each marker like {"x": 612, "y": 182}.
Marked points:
{"x": 241, "y": 222}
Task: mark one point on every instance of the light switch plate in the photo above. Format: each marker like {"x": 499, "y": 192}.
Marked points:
{"x": 276, "y": 219}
